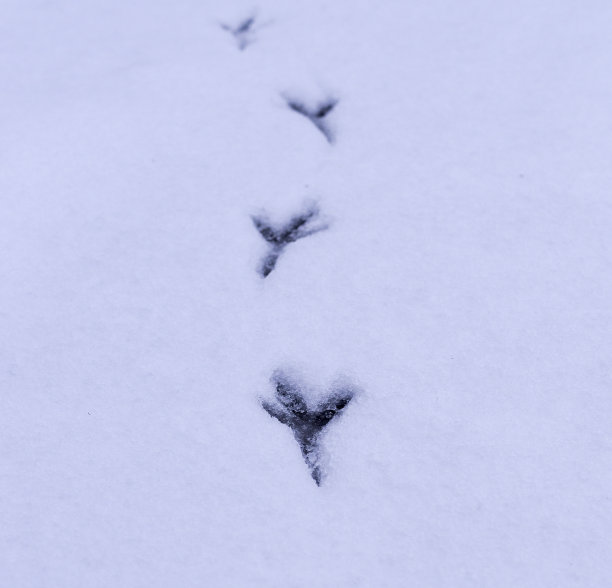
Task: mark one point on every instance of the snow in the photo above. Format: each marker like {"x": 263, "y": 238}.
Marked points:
{"x": 462, "y": 287}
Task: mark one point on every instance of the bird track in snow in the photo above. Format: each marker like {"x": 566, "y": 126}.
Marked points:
{"x": 316, "y": 114}
{"x": 243, "y": 32}
{"x": 307, "y": 424}
{"x": 298, "y": 227}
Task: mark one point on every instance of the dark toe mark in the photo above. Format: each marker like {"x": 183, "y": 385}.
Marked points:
{"x": 316, "y": 115}
{"x": 298, "y": 227}
{"x": 292, "y": 410}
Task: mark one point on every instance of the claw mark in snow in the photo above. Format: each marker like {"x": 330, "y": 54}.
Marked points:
{"x": 306, "y": 423}
{"x": 298, "y": 227}
{"x": 317, "y": 115}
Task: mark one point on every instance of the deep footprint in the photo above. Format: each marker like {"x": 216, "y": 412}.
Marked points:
{"x": 307, "y": 424}
{"x": 298, "y": 227}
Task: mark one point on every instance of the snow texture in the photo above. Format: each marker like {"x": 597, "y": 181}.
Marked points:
{"x": 463, "y": 287}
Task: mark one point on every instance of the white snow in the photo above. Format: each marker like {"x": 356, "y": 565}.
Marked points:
{"x": 464, "y": 286}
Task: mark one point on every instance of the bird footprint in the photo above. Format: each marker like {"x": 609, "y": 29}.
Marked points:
{"x": 316, "y": 114}
{"x": 307, "y": 424}
{"x": 298, "y": 227}
{"x": 243, "y": 33}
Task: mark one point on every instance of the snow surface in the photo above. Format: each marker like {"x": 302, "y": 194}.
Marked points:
{"x": 464, "y": 286}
